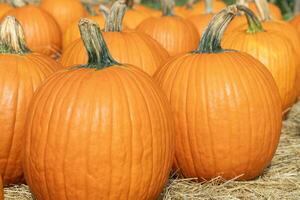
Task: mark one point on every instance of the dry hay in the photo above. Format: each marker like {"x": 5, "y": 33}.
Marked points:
{"x": 280, "y": 181}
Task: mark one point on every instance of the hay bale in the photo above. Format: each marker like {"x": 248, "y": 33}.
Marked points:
{"x": 280, "y": 181}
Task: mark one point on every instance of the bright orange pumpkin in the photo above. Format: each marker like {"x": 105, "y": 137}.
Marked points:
{"x": 213, "y": 92}
{"x": 272, "y": 49}
{"x": 129, "y": 47}
{"x": 21, "y": 73}
{"x": 200, "y": 21}
{"x": 174, "y": 33}
{"x": 65, "y": 12}
{"x": 4, "y": 8}
{"x": 201, "y": 7}
{"x": 152, "y": 12}
{"x": 72, "y": 32}
{"x": 41, "y": 30}
{"x": 108, "y": 127}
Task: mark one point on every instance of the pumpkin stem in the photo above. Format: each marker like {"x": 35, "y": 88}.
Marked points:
{"x": 12, "y": 38}
{"x": 167, "y": 7}
{"x": 211, "y": 38}
{"x": 1, "y": 189}
{"x": 263, "y": 8}
{"x": 17, "y": 3}
{"x": 254, "y": 25}
{"x": 242, "y": 2}
{"x": 90, "y": 9}
{"x": 189, "y": 4}
{"x": 104, "y": 10}
{"x": 208, "y": 6}
{"x": 98, "y": 53}
{"x": 114, "y": 20}
{"x": 129, "y": 3}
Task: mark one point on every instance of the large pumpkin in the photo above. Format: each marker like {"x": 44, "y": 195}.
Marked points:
{"x": 271, "y": 48}
{"x": 102, "y": 130}
{"x": 174, "y": 33}
{"x": 64, "y": 11}
{"x": 213, "y": 92}
{"x": 41, "y": 30}
{"x": 129, "y": 47}
{"x": 4, "y": 8}
{"x": 21, "y": 73}
{"x": 72, "y": 32}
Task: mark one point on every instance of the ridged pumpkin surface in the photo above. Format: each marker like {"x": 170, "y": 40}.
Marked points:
{"x": 134, "y": 48}
{"x": 72, "y": 32}
{"x": 98, "y": 134}
{"x": 175, "y": 34}
{"x": 212, "y": 96}
{"x": 42, "y": 33}
{"x": 275, "y": 52}
{"x": 65, "y": 12}
{"x": 20, "y": 76}
{"x": 200, "y": 21}
{"x": 4, "y": 8}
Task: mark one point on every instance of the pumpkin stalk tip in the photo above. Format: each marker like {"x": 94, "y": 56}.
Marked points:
{"x": 115, "y": 17}
{"x": 211, "y": 38}
{"x": 12, "y": 39}
{"x": 167, "y": 7}
{"x": 98, "y": 54}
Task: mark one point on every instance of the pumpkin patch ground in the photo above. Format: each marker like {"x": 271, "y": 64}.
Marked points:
{"x": 279, "y": 181}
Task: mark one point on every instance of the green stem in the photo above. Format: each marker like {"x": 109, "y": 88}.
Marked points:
{"x": 167, "y": 7}
{"x": 254, "y": 25}
{"x": 12, "y": 38}
{"x": 263, "y": 8}
{"x": 98, "y": 53}
{"x": 208, "y": 6}
{"x": 211, "y": 38}
{"x": 115, "y": 17}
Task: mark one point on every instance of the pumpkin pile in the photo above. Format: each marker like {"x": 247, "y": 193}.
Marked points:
{"x": 105, "y": 105}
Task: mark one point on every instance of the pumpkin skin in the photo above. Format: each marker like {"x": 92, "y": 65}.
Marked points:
{"x": 200, "y": 21}
{"x": 119, "y": 130}
{"x": 65, "y": 12}
{"x": 206, "y": 87}
{"x": 275, "y": 11}
{"x": 4, "y": 8}
{"x": 296, "y": 23}
{"x": 36, "y": 22}
{"x": 134, "y": 48}
{"x": 281, "y": 63}
{"x": 21, "y": 73}
{"x": 134, "y": 17}
{"x": 182, "y": 37}
{"x": 152, "y": 12}
{"x": 199, "y": 8}
{"x": 72, "y": 32}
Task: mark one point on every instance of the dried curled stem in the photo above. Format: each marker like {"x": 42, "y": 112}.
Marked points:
{"x": 115, "y": 16}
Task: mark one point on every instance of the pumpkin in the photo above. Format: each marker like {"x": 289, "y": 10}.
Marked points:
{"x": 200, "y": 7}
{"x": 152, "y": 12}
{"x": 36, "y": 22}
{"x": 114, "y": 123}
{"x": 64, "y": 11}
{"x": 21, "y": 73}
{"x": 4, "y": 8}
{"x": 275, "y": 12}
{"x": 72, "y": 32}
{"x": 272, "y": 49}
{"x": 129, "y": 47}
{"x": 283, "y": 28}
{"x": 213, "y": 92}
{"x": 174, "y": 33}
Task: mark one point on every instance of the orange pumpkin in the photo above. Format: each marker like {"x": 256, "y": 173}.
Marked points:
{"x": 201, "y": 7}
{"x": 200, "y": 21}
{"x": 174, "y": 33}
{"x": 36, "y": 23}
{"x": 21, "y": 73}
{"x": 4, "y": 8}
{"x": 72, "y": 32}
{"x": 272, "y": 49}
{"x": 152, "y": 12}
{"x": 275, "y": 12}
{"x": 114, "y": 123}
{"x": 213, "y": 92}
{"x": 129, "y": 47}
{"x": 64, "y": 11}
